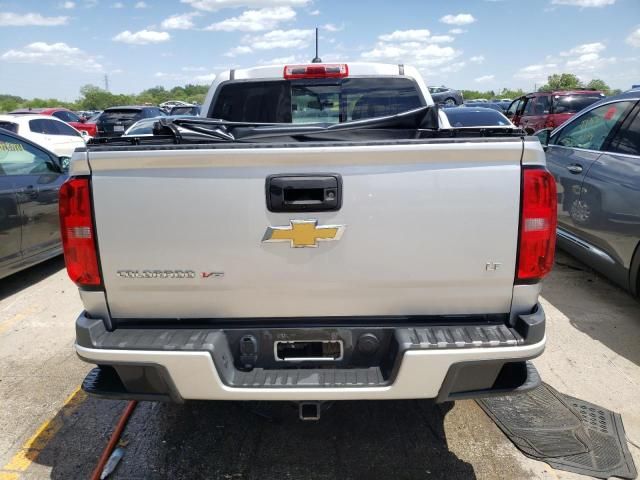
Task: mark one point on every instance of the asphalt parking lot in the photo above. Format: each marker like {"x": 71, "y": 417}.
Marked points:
{"x": 49, "y": 429}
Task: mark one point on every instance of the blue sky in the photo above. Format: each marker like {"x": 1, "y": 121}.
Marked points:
{"x": 51, "y": 48}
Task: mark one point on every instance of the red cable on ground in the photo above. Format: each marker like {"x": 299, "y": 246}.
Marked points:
{"x": 113, "y": 441}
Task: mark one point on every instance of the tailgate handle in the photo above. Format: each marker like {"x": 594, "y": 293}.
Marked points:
{"x": 304, "y": 193}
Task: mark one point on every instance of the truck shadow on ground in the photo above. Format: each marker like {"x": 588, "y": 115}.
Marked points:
{"x": 236, "y": 440}
{"x": 30, "y": 276}
{"x": 597, "y": 307}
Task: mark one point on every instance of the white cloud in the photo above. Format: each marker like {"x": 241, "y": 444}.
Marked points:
{"x": 9, "y": 19}
{"x": 586, "y": 57}
{"x": 140, "y": 5}
{"x": 213, "y": 5}
{"x": 255, "y": 20}
{"x": 204, "y": 78}
{"x": 406, "y": 36}
{"x": 289, "y": 59}
{"x": 477, "y": 59}
{"x": 457, "y": 31}
{"x": 415, "y": 47}
{"x": 180, "y": 22}
{"x": 239, "y": 50}
{"x": 118, "y": 5}
{"x": 314, "y": 12}
{"x": 589, "y": 62}
{"x": 441, "y": 39}
{"x": 584, "y": 49}
{"x": 330, "y": 27}
{"x": 295, "y": 38}
{"x": 459, "y": 19}
{"x": 143, "y": 37}
{"x": 56, "y": 54}
{"x": 485, "y": 78}
{"x": 453, "y": 67}
{"x": 634, "y": 38}
{"x": 67, "y": 5}
{"x": 536, "y": 72}
{"x": 584, "y": 3}
{"x": 427, "y": 55}
{"x": 193, "y": 69}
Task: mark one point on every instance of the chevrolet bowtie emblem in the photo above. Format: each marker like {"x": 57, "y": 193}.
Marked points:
{"x": 303, "y": 233}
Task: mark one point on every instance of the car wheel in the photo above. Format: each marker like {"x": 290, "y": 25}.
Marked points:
{"x": 450, "y": 102}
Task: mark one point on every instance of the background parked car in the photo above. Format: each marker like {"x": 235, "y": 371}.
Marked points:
{"x": 73, "y": 119}
{"x": 94, "y": 118}
{"x": 446, "y": 96}
{"x": 491, "y": 105}
{"x": 30, "y": 179}
{"x": 595, "y": 159}
{"x": 503, "y": 103}
{"x": 471, "y": 116}
{"x": 169, "y": 104}
{"x": 48, "y": 132}
{"x": 539, "y": 110}
{"x": 115, "y": 120}
{"x": 185, "y": 110}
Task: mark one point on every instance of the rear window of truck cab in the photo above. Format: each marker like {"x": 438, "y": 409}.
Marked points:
{"x": 316, "y": 100}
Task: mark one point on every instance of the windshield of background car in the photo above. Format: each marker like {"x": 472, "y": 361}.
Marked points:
{"x": 573, "y": 103}
{"x": 125, "y": 115}
{"x": 143, "y": 127}
{"x": 315, "y": 101}
{"x": 185, "y": 111}
{"x": 466, "y": 117}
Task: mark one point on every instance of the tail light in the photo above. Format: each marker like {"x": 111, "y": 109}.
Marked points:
{"x": 78, "y": 236}
{"x": 317, "y": 70}
{"x": 537, "y": 224}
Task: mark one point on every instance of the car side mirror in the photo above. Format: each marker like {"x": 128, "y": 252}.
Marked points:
{"x": 508, "y": 114}
{"x": 544, "y": 135}
{"x": 64, "y": 162}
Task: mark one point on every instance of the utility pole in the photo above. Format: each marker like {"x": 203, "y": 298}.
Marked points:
{"x": 106, "y": 82}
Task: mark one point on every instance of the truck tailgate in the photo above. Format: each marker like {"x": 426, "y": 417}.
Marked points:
{"x": 428, "y": 228}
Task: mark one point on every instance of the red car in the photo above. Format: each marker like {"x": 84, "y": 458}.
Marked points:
{"x": 63, "y": 114}
{"x": 535, "y": 111}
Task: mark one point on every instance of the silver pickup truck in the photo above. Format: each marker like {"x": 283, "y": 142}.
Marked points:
{"x": 319, "y": 233}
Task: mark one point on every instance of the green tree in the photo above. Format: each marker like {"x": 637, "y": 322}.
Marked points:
{"x": 562, "y": 81}
{"x": 598, "y": 84}
{"x": 511, "y": 93}
{"x": 10, "y": 102}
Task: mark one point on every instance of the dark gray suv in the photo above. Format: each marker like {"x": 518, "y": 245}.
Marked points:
{"x": 595, "y": 159}
{"x": 30, "y": 179}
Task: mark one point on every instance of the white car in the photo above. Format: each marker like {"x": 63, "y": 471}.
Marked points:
{"x": 49, "y": 132}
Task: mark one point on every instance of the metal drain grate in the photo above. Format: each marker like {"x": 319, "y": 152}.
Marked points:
{"x": 565, "y": 432}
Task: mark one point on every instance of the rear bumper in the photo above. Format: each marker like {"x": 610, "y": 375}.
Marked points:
{"x": 441, "y": 362}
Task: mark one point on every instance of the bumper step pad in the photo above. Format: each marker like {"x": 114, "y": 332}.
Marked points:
{"x": 104, "y": 382}
{"x": 347, "y": 377}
